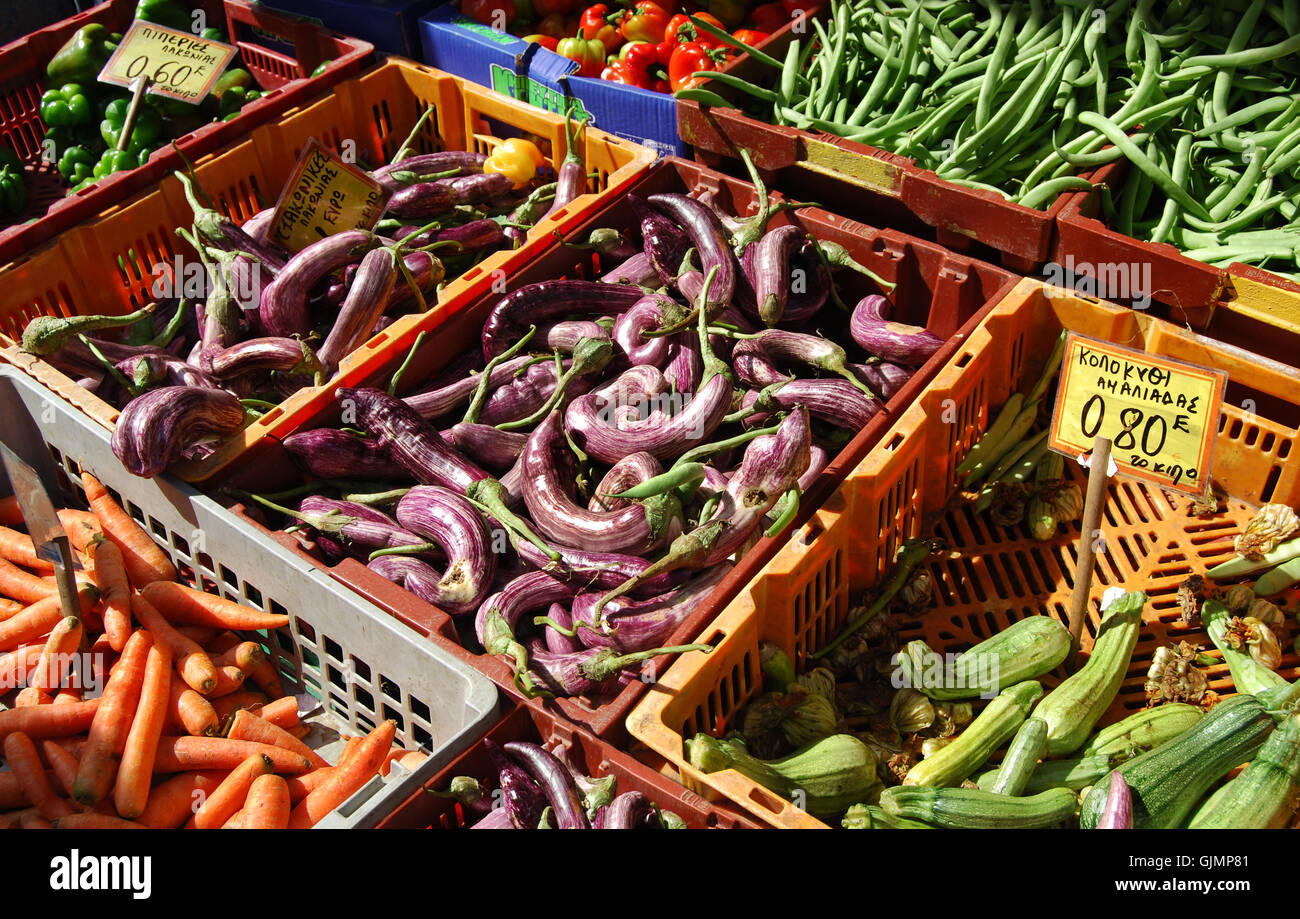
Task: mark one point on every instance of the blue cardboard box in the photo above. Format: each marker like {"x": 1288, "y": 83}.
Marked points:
{"x": 461, "y": 46}
{"x": 392, "y": 26}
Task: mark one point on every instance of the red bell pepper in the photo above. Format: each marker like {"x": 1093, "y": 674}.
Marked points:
{"x": 646, "y": 21}
{"x": 598, "y": 23}
{"x": 687, "y": 59}
{"x": 549, "y": 42}
{"x": 681, "y": 29}
{"x": 768, "y": 17}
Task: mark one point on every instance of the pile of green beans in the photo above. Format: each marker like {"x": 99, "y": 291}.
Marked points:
{"x": 1027, "y": 99}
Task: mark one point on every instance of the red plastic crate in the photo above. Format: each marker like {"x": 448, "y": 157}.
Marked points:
{"x": 588, "y": 753}
{"x": 279, "y": 51}
{"x": 948, "y": 293}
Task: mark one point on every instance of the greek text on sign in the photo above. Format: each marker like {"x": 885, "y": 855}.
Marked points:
{"x": 178, "y": 64}
{"x": 325, "y": 196}
{"x": 1160, "y": 415}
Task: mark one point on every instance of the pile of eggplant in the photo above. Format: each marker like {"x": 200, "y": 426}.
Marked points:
{"x": 537, "y": 788}
{"x": 270, "y": 322}
{"x": 579, "y": 483}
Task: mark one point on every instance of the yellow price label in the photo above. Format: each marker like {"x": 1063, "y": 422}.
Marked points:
{"x": 1160, "y": 415}
{"x": 177, "y": 64}
{"x": 325, "y": 196}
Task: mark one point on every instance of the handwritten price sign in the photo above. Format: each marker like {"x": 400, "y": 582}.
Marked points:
{"x": 325, "y": 196}
{"x": 178, "y": 64}
{"x": 1161, "y": 416}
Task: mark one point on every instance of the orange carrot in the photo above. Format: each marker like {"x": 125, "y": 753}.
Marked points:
{"x": 68, "y": 695}
{"x": 10, "y": 514}
{"x": 410, "y": 759}
{"x": 283, "y": 712}
{"x": 299, "y": 730}
{"x": 145, "y": 561}
{"x": 62, "y": 763}
{"x": 248, "y": 726}
{"x": 189, "y": 712}
{"x": 9, "y": 607}
{"x": 109, "y": 573}
{"x": 347, "y": 778}
{"x": 173, "y": 802}
{"x": 34, "y": 820}
{"x": 229, "y": 797}
{"x": 81, "y": 527}
{"x": 93, "y": 821}
{"x": 38, "y": 619}
{"x": 245, "y": 655}
{"x": 236, "y": 821}
{"x": 23, "y": 760}
{"x": 201, "y": 634}
{"x": 101, "y": 657}
{"x": 135, "y": 771}
{"x": 112, "y": 724}
{"x": 184, "y": 605}
{"x": 300, "y": 786}
{"x": 24, "y": 587}
{"x": 226, "y": 706}
{"x": 220, "y": 642}
{"x": 17, "y": 548}
{"x": 230, "y": 679}
{"x": 268, "y": 805}
{"x": 17, "y": 666}
{"x": 350, "y": 748}
{"x": 49, "y": 720}
{"x": 31, "y": 695}
{"x": 183, "y": 754}
{"x": 57, "y": 655}
{"x": 192, "y": 662}
{"x": 266, "y": 678}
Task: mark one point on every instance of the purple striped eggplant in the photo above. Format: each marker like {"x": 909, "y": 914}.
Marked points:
{"x": 627, "y": 472}
{"x": 413, "y": 575}
{"x": 328, "y": 453}
{"x": 905, "y": 344}
{"x": 289, "y": 356}
{"x": 557, "y": 642}
{"x": 710, "y": 240}
{"x": 486, "y": 445}
{"x": 435, "y": 403}
{"x": 636, "y": 272}
{"x": 155, "y": 429}
{"x": 522, "y": 798}
{"x": 450, "y": 521}
{"x": 366, "y": 301}
{"x": 631, "y": 810}
{"x": 885, "y": 378}
{"x": 533, "y": 304}
{"x": 835, "y": 401}
{"x": 499, "y": 614}
{"x": 592, "y": 670}
{"x": 396, "y": 176}
{"x": 772, "y": 256}
{"x": 665, "y": 243}
{"x": 284, "y": 306}
{"x": 557, "y": 785}
{"x": 635, "y": 529}
{"x": 635, "y": 625}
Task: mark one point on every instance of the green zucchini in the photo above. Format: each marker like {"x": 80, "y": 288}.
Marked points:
{"x": 1239, "y": 566}
{"x": 1166, "y": 783}
{"x": 882, "y": 820}
{"x": 1248, "y": 675}
{"x": 993, "y": 727}
{"x": 1022, "y": 758}
{"x": 1074, "y": 706}
{"x": 995, "y": 434}
{"x": 1278, "y": 579}
{"x": 1024, "y": 650}
{"x": 970, "y": 808}
{"x": 1265, "y": 794}
{"x": 1075, "y": 774}
{"x": 1143, "y": 730}
{"x": 825, "y": 778}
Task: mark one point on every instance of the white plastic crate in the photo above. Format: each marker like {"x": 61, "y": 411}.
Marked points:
{"x": 362, "y": 665}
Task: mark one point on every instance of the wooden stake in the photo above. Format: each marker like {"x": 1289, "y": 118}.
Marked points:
{"x": 133, "y": 111}
{"x": 1092, "y": 507}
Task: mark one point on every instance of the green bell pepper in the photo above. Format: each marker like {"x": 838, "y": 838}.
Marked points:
{"x": 212, "y": 33}
{"x": 234, "y": 99}
{"x": 321, "y": 67}
{"x": 76, "y": 164}
{"x": 66, "y": 106}
{"x": 82, "y": 57}
{"x": 115, "y": 161}
{"x": 148, "y": 129}
{"x": 13, "y": 191}
{"x": 167, "y": 13}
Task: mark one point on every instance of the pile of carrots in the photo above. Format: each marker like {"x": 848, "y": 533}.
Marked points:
{"x": 178, "y": 737}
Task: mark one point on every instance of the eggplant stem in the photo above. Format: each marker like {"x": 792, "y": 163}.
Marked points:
{"x": 321, "y": 522}
{"x": 173, "y": 327}
{"x": 680, "y": 474}
{"x": 787, "y": 515}
{"x": 710, "y": 505}
{"x": 376, "y": 498}
{"x": 493, "y": 504}
{"x": 548, "y": 621}
{"x": 713, "y": 365}
{"x": 260, "y": 404}
{"x": 620, "y": 662}
{"x": 686, "y": 549}
{"x": 405, "y": 149}
{"x": 694, "y": 454}
{"x": 406, "y": 362}
{"x": 116, "y": 374}
{"x": 480, "y": 391}
{"x": 413, "y": 549}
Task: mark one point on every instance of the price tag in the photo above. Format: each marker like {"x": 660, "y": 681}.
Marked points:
{"x": 1160, "y": 415}
{"x": 325, "y": 196}
{"x": 180, "y": 65}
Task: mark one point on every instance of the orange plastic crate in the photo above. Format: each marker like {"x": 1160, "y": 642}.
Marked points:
{"x": 994, "y": 575}
{"x": 106, "y": 266}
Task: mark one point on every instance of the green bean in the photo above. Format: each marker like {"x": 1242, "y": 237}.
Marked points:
{"x": 988, "y": 87}
{"x": 911, "y": 38}
{"x": 1247, "y": 115}
{"x": 1170, "y": 213}
{"x": 789, "y": 73}
{"x": 1223, "y": 79}
{"x": 1049, "y": 191}
{"x": 1245, "y": 59}
{"x": 1237, "y": 192}
{"x": 1143, "y": 162}
{"x": 1281, "y": 151}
